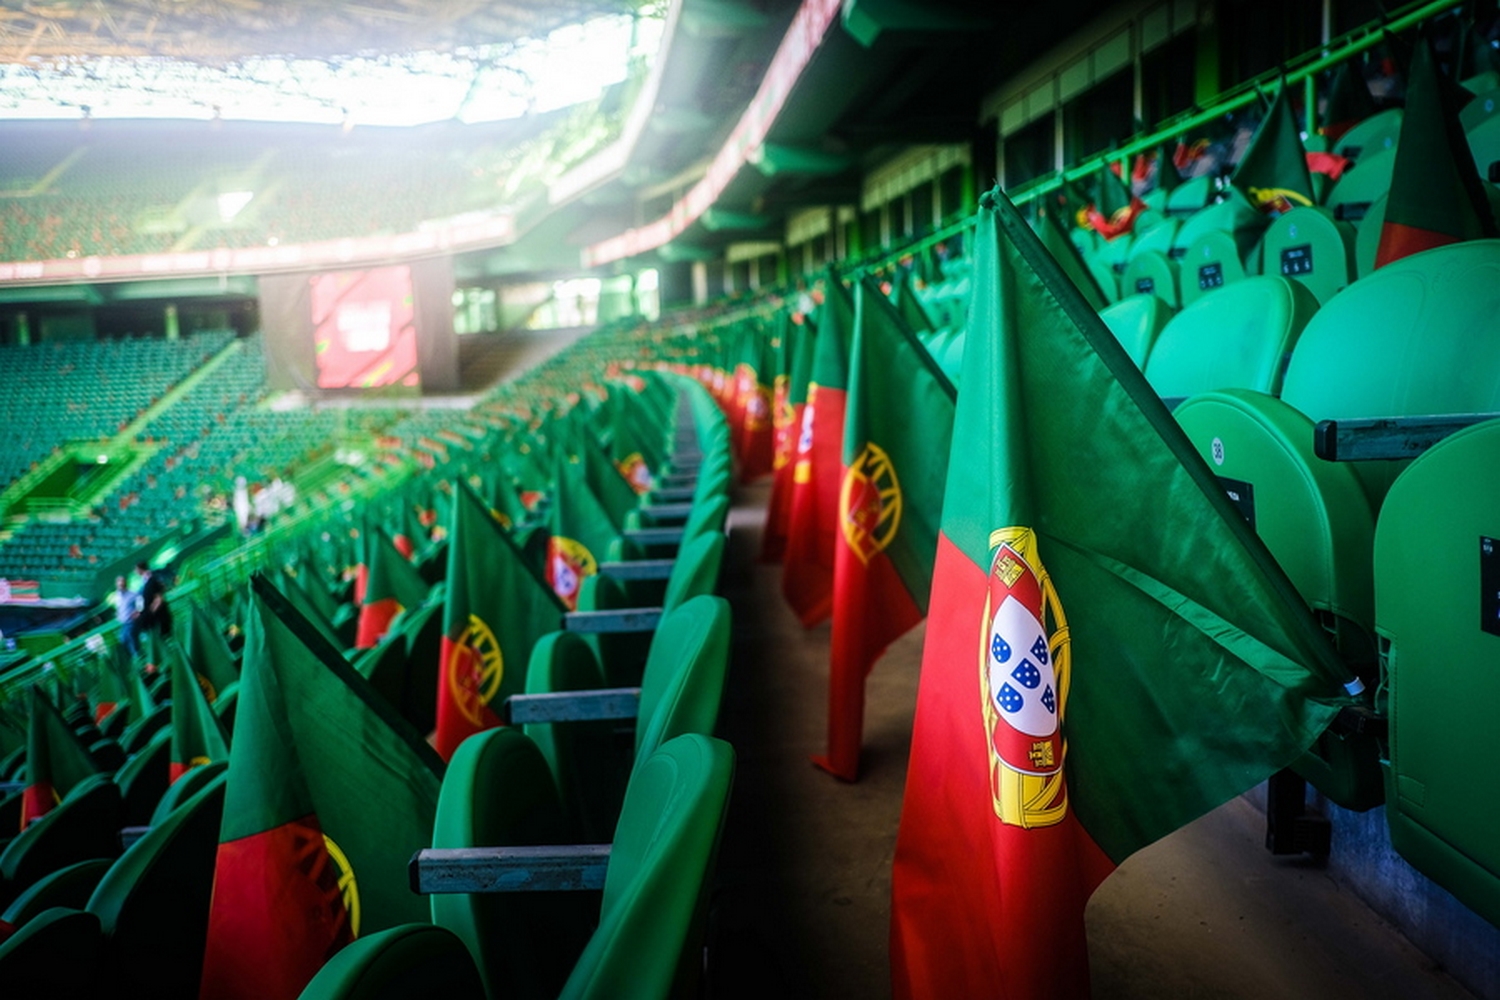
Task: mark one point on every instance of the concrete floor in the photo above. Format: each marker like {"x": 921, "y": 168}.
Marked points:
{"x": 803, "y": 907}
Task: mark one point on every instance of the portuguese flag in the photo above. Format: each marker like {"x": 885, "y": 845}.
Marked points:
{"x": 1349, "y": 100}
{"x": 894, "y": 468}
{"x": 1273, "y": 172}
{"x": 1110, "y": 650}
{"x": 209, "y": 652}
{"x": 330, "y": 793}
{"x": 393, "y": 585}
{"x": 496, "y": 610}
{"x": 752, "y": 403}
{"x": 1436, "y": 196}
{"x": 55, "y": 759}
{"x": 196, "y": 736}
{"x": 613, "y": 494}
{"x": 582, "y": 533}
{"x": 807, "y": 568}
{"x": 1063, "y": 250}
{"x": 800, "y": 337}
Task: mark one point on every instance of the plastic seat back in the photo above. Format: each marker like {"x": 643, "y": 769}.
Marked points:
{"x": 145, "y": 777}
{"x": 1439, "y": 519}
{"x": 1151, "y": 273}
{"x": 647, "y": 944}
{"x": 1376, "y": 134}
{"x": 1190, "y": 196}
{"x": 1484, "y": 143}
{"x": 1233, "y": 215}
{"x": 696, "y": 570}
{"x": 1156, "y": 237}
{"x": 411, "y": 960}
{"x": 1310, "y": 247}
{"x": 1212, "y": 262}
{"x": 498, "y": 792}
{"x": 84, "y": 826}
{"x": 683, "y": 683}
{"x": 589, "y": 776}
{"x": 1237, "y": 338}
{"x": 55, "y": 955}
{"x": 186, "y": 787}
{"x": 152, "y": 904}
{"x": 1361, "y": 186}
{"x": 68, "y": 887}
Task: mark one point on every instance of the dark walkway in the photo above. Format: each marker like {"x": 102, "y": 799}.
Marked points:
{"x": 804, "y": 904}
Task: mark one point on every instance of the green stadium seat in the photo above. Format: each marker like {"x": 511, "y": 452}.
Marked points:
{"x": 153, "y": 903}
{"x": 1237, "y": 338}
{"x": 1353, "y": 197}
{"x": 1367, "y": 237}
{"x": 499, "y": 792}
{"x": 55, "y": 955}
{"x": 186, "y": 787}
{"x": 1309, "y": 246}
{"x": 1212, "y": 262}
{"x": 69, "y": 887}
{"x": 1190, "y": 196}
{"x": 1377, "y": 134}
{"x": 1152, "y": 273}
{"x": 1233, "y": 215}
{"x": 410, "y": 960}
{"x": 1136, "y": 321}
{"x": 145, "y": 777}
{"x": 84, "y": 826}
{"x": 1439, "y": 519}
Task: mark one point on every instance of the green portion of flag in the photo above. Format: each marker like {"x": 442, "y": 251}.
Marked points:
{"x": 892, "y": 378}
{"x": 1065, "y": 252}
{"x": 208, "y": 651}
{"x": 196, "y": 735}
{"x": 55, "y": 756}
{"x": 1273, "y": 173}
{"x": 1198, "y": 669}
{"x": 313, "y": 738}
{"x": 391, "y": 575}
{"x": 1436, "y": 195}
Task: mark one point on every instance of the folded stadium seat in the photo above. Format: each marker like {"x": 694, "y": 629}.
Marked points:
{"x": 1112, "y": 256}
{"x": 1136, "y": 321}
{"x": 84, "y": 826}
{"x": 186, "y": 787}
{"x": 153, "y": 902}
{"x": 648, "y": 942}
{"x": 1148, "y": 269}
{"x": 1309, "y": 246}
{"x": 1439, "y": 520}
{"x": 69, "y": 886}
{"x": 1484, "y": 143}
{"x": 1376, "y": 134}
{"x": 1190, "y": 196}
{"x": 409, "y": 960}
{"x": 140, "y": 731}
{"x": 680, "y": 692}
{"x": 1211, "y": 262}
{"x": 1233, "y": 215}
{"x": 145, "y": 777}
{"x": 55, "y": 955}
{"x": 498, "y": 791}
{"x": 1361, "y": 186}
{"x": 1236, "y": 338}
{"x": 1413, "y": 338}
{"x": 1476, "y": 111}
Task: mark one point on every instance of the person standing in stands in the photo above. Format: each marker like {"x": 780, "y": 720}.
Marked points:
{"x": 128, "y": 613}
{"x": 155, "y": 613}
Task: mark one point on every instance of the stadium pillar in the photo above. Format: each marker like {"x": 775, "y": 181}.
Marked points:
{"x": 173, "y": 329}
{"x": 23, "y": 329}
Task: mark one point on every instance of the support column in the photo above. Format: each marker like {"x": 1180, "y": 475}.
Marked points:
{"x": 171, "y": 324}
{"x": 23, "y": 329}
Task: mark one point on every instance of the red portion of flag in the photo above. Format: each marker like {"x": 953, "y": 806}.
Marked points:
{"x": 37, "y": 801}
{"x": 463, "y": 697}
{"x": 374, "y": 621}
{"x": 403, "y": 546}
{"x": 277, "y": 914}
{"x": 871, "y": 609}
{"x": 1397, "y": 241}
{"x": 361, "y": 581}
{"x": 1331, "y": 165}
{"x": 1001, "y": 891}
{"x": 807, "y": 573}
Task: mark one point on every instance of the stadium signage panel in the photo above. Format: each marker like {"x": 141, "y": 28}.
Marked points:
{"x": 466, "y": 233}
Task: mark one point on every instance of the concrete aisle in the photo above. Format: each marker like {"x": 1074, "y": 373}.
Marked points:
{"x": 803, "y": 905}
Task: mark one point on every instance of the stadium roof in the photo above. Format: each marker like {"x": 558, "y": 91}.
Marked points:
{"x": 217, "y": 32}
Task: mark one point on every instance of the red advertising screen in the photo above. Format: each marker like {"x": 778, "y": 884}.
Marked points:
{"x": 364, "y": 328}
